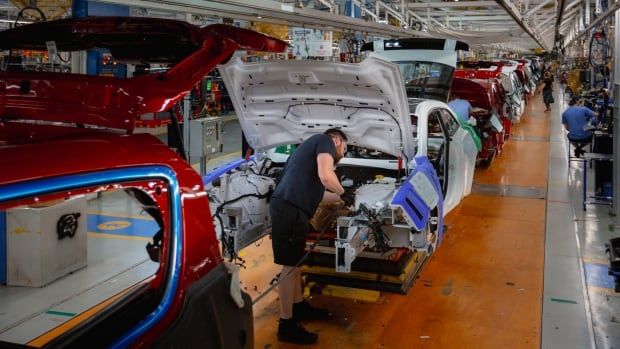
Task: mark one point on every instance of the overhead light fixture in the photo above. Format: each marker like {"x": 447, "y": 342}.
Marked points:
{"x": 259, "y": 16}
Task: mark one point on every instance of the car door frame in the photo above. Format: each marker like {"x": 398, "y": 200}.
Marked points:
{"x": 173, "y": 262}
{"x": 462, "y": 161}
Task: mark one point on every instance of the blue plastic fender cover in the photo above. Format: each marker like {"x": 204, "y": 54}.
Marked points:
{"x": 419, "y": 194}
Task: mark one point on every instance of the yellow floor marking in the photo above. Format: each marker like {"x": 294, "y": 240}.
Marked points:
{"x": 592, "y": 260}
{"x": 604, "y": 291}
{"x": 351, "y": 293}
{"x": 117, "y": 236}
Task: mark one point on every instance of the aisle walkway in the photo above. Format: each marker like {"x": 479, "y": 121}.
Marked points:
{"x": 581, "y": 309}
{"x": 482, "y": 289}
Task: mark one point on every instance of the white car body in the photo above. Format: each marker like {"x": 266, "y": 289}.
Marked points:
{"x": 285, "y": 102}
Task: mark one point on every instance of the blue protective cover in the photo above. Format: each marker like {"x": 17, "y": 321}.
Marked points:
{"x": 411, "y": 202}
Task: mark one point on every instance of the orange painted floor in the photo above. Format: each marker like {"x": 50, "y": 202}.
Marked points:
{"x": 481, "y": 289}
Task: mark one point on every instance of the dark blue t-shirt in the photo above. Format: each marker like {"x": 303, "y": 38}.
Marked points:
{"x": 299, "y": 182}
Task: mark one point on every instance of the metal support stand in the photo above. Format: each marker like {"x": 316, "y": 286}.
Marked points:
{"x": 186, "y": 114}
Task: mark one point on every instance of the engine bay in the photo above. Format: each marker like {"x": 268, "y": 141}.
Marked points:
{"x": 376, "y": 227}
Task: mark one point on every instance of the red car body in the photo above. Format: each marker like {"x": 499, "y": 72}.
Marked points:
{"x": 487, "y": 95}
{"x": 43, "y": 137}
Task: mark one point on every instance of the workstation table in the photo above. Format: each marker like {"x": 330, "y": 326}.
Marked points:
{"x": 596, "y": 199}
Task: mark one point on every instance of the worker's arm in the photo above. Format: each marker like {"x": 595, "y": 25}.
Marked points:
{"x": 329, "y": 197}
{"x": 591, "y": 113}
{"x": 565, "y": 126}
{"x": 327, "y": 175}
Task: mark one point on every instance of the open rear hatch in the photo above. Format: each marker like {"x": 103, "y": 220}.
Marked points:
{"x": 107, "y": 101}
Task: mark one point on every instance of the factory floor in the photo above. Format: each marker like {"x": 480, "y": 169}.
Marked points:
{"x": 521, "y": 265}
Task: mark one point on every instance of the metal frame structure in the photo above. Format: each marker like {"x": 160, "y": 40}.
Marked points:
{"x": 514, "y": 24}
{"x": 501, "y": 24}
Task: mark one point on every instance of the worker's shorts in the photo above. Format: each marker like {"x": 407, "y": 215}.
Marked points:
{"x": 288, "y": 233}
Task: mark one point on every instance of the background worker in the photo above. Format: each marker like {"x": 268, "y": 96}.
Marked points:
{"x": 461, "y": 107}
{"x": 547, "y": 91}
{"x": 307, "y": 178}
{"x": 575, "y": 119}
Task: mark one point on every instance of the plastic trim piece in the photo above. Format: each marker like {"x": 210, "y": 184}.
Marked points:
{"x": 218, "y": 172}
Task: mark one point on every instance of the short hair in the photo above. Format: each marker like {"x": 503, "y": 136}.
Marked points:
{"x": 336, "y": 132}
{"x": 573, "y": 101}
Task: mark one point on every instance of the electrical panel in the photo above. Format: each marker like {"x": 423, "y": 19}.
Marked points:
{"x": 205, "y": 136}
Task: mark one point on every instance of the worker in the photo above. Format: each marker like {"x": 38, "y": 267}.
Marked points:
{"x": 547, "y": 91}
{"x": 461, "y": 107}
{"x": 307, "y": 179}
{"x": 575, "y": 120}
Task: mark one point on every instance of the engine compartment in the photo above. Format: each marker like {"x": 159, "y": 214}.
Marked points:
{"x": 375, "y": 227}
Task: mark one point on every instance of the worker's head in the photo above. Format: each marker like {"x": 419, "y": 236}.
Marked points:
{"x": 573, "y": 101}
{"x": 340, "y": 141}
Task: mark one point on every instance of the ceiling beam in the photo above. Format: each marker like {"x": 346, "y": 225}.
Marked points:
{"x": 570, "y": 13}
{"x": 479, "y": 18}
{"x": 461, "y": 13}
{"x": 572, "y": 4}
{"x": 513, "y": 11}
{"x": 440, "y": 4}
{"x": 538, "y": 7}
{"x": 544, "y": 22}
{"x": 563, "y": 11}
{"x": 276, "y": 12}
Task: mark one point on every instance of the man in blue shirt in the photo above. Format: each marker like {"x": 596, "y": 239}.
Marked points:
{"x": 461, "y": 107}
{"x": 575, "y": 119}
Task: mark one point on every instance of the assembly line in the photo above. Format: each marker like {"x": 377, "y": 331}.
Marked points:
{"x": 331, "y": 174}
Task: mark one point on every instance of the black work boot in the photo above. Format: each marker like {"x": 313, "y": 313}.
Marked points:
{"x": 289, "y": 330}
{"x": 303, "y": 311}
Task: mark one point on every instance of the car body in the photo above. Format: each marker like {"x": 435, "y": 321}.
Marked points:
{"x": 512, "y": 92}
{"x": 486, "y": 98}
{"x": 69, "y": 137}
{"x": 395, "y": 167}
{"x": 428, "y": 67}
{"x": 515, "y": 94}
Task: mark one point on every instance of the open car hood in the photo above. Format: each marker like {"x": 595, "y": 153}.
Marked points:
{"x": 285, "y": 102}
{"x": 110, "y": 102}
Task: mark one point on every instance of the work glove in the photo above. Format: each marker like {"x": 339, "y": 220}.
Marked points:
{"x": 348, "y": 199}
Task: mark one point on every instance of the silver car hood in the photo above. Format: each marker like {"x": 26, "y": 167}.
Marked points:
{"x": 285, "y": 102}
